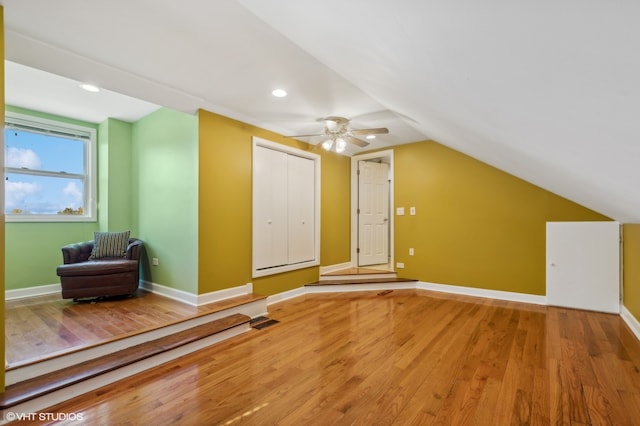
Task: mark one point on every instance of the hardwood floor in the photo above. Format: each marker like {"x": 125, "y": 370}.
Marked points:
{"x": 407, "y": 357}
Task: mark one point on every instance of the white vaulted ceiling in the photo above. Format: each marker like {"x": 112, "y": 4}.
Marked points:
{"x": 547, "y": 91}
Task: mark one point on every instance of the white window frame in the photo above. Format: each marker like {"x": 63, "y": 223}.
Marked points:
{"x": 85, "y": 134}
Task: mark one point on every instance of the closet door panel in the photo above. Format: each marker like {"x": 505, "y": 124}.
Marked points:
{"x": 270, "y": 208}
{"x": 301, "y": 209}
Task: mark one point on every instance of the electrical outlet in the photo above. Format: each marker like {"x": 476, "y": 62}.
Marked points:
{"x": 155, "y": 261}
{"x": 399, "y": 265}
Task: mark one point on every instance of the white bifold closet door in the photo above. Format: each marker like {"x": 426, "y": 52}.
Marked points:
{"x": 583, "y": 265}
{"x": 300, "y": 209}
{"x": 284, "y": 209}
{"x": 270, "y": 225}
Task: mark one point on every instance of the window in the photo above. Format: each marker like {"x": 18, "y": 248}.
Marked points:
{"x": 49, "y": 170}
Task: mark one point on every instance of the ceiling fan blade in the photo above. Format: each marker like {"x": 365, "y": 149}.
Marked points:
{"x": 305, "y": 136}
{"x": 377, "y": 131}
{"x": 357, "y": 141}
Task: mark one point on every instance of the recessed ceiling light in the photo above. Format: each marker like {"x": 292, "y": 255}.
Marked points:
{"x": 90, "y": 87}
{"x": 279, "y": 93}
{"x": 370, "y": 136}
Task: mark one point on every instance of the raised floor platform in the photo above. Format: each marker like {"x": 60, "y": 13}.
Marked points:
{"x": 94, "y": 344}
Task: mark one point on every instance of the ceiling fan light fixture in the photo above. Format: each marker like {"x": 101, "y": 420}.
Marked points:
{"x": 90, "y": 87}
{"x": 332, "y": 125}
{"x": 337, "y": 134}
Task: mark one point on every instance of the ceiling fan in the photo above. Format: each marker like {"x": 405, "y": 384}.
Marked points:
{"x": 337, "y": 134}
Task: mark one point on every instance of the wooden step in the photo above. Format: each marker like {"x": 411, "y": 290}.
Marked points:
{"x": 252, "y": 305}
{"x": 359, "y": 280}
{"x": 358, "y": 273}
{"x": 38, "y": 386}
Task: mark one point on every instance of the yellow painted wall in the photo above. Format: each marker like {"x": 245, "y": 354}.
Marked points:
{"x": 476, "y": 226}
{"x": 224, "y": 247}
{"x": 335, "y": 209}
{"x": 631, "y": 272}
{"x": 2, "y": 349}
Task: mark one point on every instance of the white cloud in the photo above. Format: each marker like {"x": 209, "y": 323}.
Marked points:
{"x": 40, "y": 198}
{"x": 22, "y": 157}
{"x": 16, "y": 192}
{"x": 73, "y": 194}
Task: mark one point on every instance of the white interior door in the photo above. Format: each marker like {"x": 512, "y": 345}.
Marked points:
{"x": 373, "y": 217}
{"x": 583, "y": 265}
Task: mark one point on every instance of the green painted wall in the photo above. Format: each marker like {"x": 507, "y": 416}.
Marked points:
{"x": 115, "y": 170}
{"x": 29, "y": 244}
{"x": 631, "y": 271}
{"x": 475, "y": 226}
{"x": 165, "y": 192}
{"x": 33, "y": 250}
{"x": 225, "y": 208}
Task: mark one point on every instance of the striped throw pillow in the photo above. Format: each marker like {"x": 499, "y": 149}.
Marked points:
{"x": 109, "y": 244}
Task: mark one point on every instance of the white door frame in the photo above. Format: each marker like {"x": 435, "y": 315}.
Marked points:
{"x": 387, "y": 157}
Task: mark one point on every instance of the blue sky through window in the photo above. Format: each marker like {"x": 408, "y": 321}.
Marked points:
{"x": 39, "y": 193}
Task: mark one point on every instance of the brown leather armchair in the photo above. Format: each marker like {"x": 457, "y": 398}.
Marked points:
{"x": 82, "y": 277}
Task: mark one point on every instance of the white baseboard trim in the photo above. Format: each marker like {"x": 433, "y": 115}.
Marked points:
{"x": 631, "y": 320}
{"x": 227, "y": 293}
{"x": 171, "y": 293}
{"x": 40, "y": 290}
{"x": 481, "y": 292}
{"x": 333, "y": 268}
{"x": 443, "y": 288}
{"x": 197, "y": 299}
{"x": 286, "y": 295}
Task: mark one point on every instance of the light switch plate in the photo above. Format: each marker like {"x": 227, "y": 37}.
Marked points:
{"x": 400, "y": 211}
